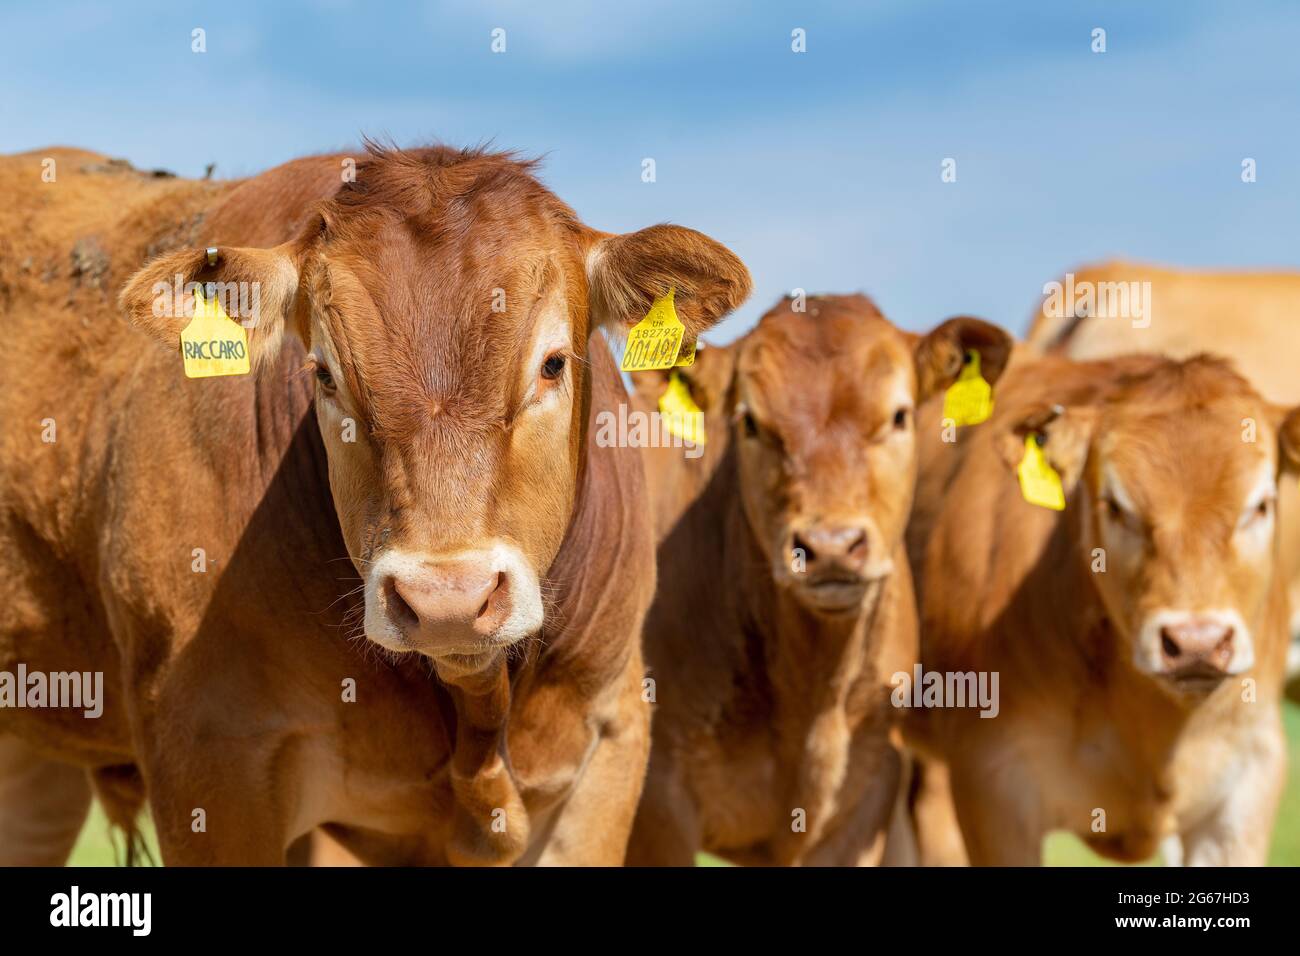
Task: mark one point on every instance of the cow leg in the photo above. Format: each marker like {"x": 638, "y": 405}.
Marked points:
{"x": 43, "y": 805}
{"x": 938, "y": 834}
{"x": 212, "y": 809}
{"x": 999, "y": 830}
{"x": 901, "y": 848}
{"x": 1171, "y": 850}
{"x": 1240, "y": 829}
{"x": 218, "y": 799}
{"x": 595, "y": 822}
{"x": 667, "y": 827}
{"x": 858, "y": 839}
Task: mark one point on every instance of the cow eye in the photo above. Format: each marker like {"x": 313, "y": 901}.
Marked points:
{"x": 900, "y": 419}
{"x": 750, "y": 425}
{"x": 1117, "y": 514}
{"x": 324, "y": 376}
{"x": 552, "y": 367}
{"x": 1260, "y": 511}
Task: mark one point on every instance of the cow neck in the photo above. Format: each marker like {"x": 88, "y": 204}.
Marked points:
{"x": 812, "y": 660}
{"x": 813, "y": 663}
{"x": 482, "y": 780}
{"x": 603, "y": 536}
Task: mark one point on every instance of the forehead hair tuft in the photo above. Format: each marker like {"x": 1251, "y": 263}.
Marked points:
{"x": 1202, "y": 380}
{"x": 427, "y": 181}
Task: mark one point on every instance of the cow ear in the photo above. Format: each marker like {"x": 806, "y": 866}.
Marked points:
{"x": 941, "y": 354}
{"x": 1288, "y": 441}
{"x": 627, "y": 273}
{"x": 256, "y": 288}
{"x": 1064, "y": 435}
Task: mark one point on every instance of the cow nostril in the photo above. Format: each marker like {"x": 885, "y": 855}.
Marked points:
{"x": 858, "y": 549}
{"x": 496, "y": 597}
{"x": 1168, "y": 644}
{"x": 799, "y": 544}
{"x": 401, "y": 612}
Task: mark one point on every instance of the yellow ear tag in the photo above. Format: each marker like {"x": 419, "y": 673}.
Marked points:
{"x": 1039, "y": 482}
{"x": 969, "y": 400}
{"x": 687, "y": 356}
{"x": 213, "y": 344}
{"x": 682, "y": 416}
{"x": 655, "y": 341}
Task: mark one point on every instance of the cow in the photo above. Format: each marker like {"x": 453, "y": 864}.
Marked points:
{"x": 1138, "y": 634}
{"x": 385, "y": 584}
{"x": 784, "y": 601}
{"x": 1117, "y": 307}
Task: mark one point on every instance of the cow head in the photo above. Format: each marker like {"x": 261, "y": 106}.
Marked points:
{"x": 1173, "y": 469}
{"x": 446, "y": 300}
{"x": 822, "y": 407}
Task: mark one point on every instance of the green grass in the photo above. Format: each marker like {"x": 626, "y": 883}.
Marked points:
{"x": 96, "y": 845}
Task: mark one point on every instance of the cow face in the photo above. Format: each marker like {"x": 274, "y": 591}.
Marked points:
{"x": 1175, "y": 475}
{"x": 446, "y": 300}
{"x": 823, "y": 422}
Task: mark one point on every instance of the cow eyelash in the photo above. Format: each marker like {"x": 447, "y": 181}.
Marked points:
{"x": 321, "y": 371}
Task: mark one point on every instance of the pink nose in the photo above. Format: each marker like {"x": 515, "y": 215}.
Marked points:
{"x": 1198, "y": 643}
{"x": 832, "y": 547}
{"x": 447, "y": 604}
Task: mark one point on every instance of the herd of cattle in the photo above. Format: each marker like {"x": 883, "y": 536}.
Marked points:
{"x": 387, "y": 598}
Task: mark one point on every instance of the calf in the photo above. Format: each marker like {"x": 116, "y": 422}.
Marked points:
{"x": 784, "y": 603}
{"x": 426, "y": 357}
{"x": 1114, "y": 308}
{"x": 1139, "y": 634}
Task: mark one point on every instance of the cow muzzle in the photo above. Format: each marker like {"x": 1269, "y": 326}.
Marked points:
{"x": 1195, "y": 651}
{"x": 836, "y": 565}
{"x": 459, "y": 609}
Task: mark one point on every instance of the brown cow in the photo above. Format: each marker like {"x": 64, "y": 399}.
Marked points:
{"x": 1138, "y": 635}
{"x": 1114, "y": 308}
{"x": 474, "y": 695}
{"x": 784, "y": 602}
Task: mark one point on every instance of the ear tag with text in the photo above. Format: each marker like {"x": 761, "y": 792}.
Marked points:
{"x": 213, "y": 344}
{"x": 682, "y": 416}
{"x": 656, "y": 340}
{"x": 1039, "y": 482}
{"x": 686, "y": 358}
{"x": 969, "y": 400}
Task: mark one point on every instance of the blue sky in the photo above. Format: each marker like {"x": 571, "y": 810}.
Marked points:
{"x": 821, "y": 170}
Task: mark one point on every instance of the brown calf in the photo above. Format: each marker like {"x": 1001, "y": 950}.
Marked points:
{"x": 1114, "y": 308}
{"x": 784, "y": 602}
{"x": 1138, "y": 635}
{"x": 426, "y": 366}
